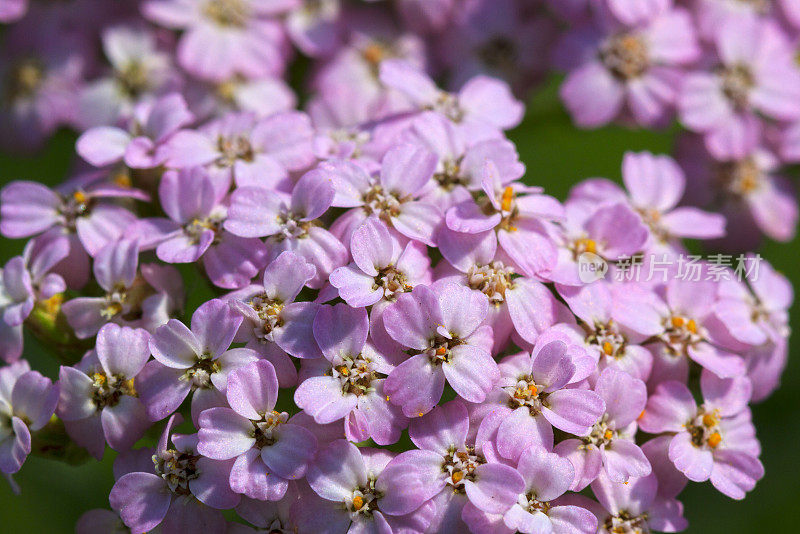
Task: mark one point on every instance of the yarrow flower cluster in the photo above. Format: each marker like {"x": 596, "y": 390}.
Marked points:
{"x": 401, "y": 338}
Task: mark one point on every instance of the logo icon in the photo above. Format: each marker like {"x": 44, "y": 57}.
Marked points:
{"x": 591, "y": 267}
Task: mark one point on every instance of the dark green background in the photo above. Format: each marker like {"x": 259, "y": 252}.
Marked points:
{"x": 557, "y": 156}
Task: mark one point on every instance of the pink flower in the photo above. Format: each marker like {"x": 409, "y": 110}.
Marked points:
{"x": 519, "y": 221}
{"x": 271, "y": 315}
{"x": 533, "y": 395}
{"x": 359, "y": 489}
{"x": 149, "y": 294}
{"x": 754, "y": 75}
{"x": 382, "y": 268}
{"x": 158, "y": 496}
{"x": 609, "y": 445}
{"x": 483, "y": 105}
{"x": 197, "y": 360}
{"x": 290, "y": 226}
{"x": 27, "y": 401}
{"x": 393, "y": 196}
{"x": 443, "y": 325}
{"x": 455, "y": 473}
{"x": 268, "y": 450}
{"x": 251, "y": 151}
{"x": 715, "y": 441}
{"x": 194, "y": 229}
{"x": 225, "y": 37}
{"x": 622, "y": 73}
{"x": 349, "y": 385}
{"x": 98, "y": 402}
{"x": 141, "y": 148}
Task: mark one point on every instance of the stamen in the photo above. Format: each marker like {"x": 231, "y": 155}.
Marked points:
{"x": 508, "y": 197}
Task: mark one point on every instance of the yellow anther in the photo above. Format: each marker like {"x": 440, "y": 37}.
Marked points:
{"x": 677, "y": 322}
{"x": 714, "y": 440}
{"x": 608, "y": 348}
{"x": 508, "y": 197}
{"x": 420, "y": 414}
{"x": 608, "y": 434}
{"x": 586, "y": 245}
{"x": 122, "y": 179}
{"x": 533, "y": 390}
{"x": 99, "y": 378}
{"x": 691, "y": 326}
{"x": 709, "y": 420}
{"x": 343, "y": 370}
{"x": 458, "y": 476}
{"x": 374, "y": 53}
{"x": 358, "y": 502}
{"x": 53, "y": 304}
{"x": 441, "y": 351}
{"x": 80, "y": 197}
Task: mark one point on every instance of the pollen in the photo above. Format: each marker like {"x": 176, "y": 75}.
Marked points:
{"x": 99, "y": 378}
{"x": 374, "y": 53}
{"x": 458, "y": 476}
{"x": 441, "y": 351}
{"x": 586, "y": 245}
{"x": 691, "y": 326}
{"x": 420, "y": 414}
{"x": 358, "y": 502}
{"x": 533, "y": 390}
{"x": 508, "y": 196}
{"x": 608, "y": 434}
{"x": 80, "y": 197}
{"x": 709, "y": 420}
{"x": 714, "y": 440}
{"x": 608, "y": 348}
{"x": 678, "y": 322}
{"x": 53, "y": 304}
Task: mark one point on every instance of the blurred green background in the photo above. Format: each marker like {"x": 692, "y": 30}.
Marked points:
{"x": 557, "y": 156}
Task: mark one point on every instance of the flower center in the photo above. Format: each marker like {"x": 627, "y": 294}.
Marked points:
{"x": 737, "y": 81}
{"x": 23, "y": 80}
{"x": 459, "y": 466}
{"x": 364, "y": 500}
{"x": 607, "y": 338}
{"x": 447, "y": 104}
{"x": 355, "y": 375}
{"x": 601, "y": 433}
{"x": 625, "y": 55}
{"x": 292, "y": 227}
{"x": 527, "y": 393}
{"x": 78, "y": 204}
{"x": 233, "y": 149}
{"x": 178, "y": 469}
{"x": 269, "y": 312}
{"x": 627, "y": 523}
{"x": 199, "y": 375}
{"x": 529, "y": 502}
{"x": 263, "y": 428}
{"x": 385, "y": 204}
{"x": 393, "y": 282}
{"x": 740, "y": 178}
{"x": 704, "y": 429}
{"x": 581, "y": 245}
{"x": 681, "y": 332}
{"x": 450, "y": 174}
{"x": 440, "y": 347}
{"x": 195, "y": 229}
{"x": 132, "y": 80}
{"x": 227, "y": 13}
{"x": 107, "y": 390}
{"x": 492, "y": 280}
